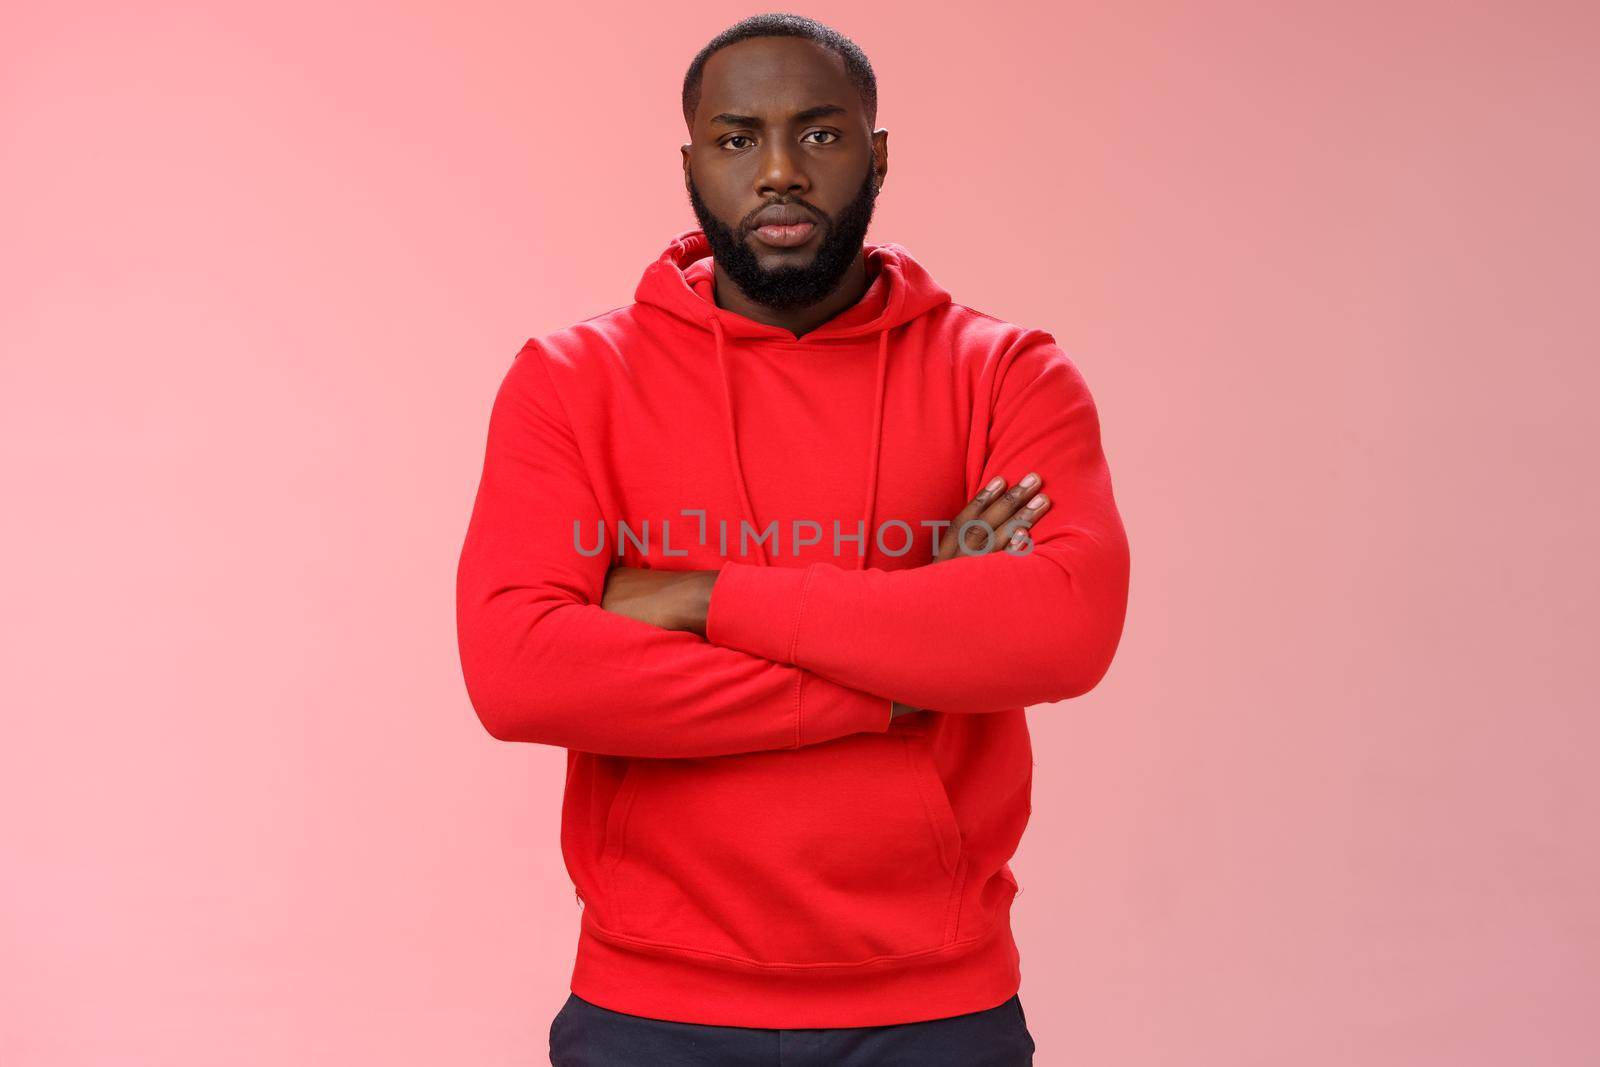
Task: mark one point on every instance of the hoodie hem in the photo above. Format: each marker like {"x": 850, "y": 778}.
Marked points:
{"x": 638, "y": 977}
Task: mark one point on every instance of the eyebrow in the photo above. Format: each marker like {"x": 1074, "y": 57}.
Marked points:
{"x": 820, "y": 111}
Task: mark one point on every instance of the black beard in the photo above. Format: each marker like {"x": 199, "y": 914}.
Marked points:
{"x": 787, "y": 288}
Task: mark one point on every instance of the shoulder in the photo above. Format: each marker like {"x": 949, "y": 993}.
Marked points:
{"x": 585, "y": 355}
{"x": 588, "y": 344}
{"x": 1002, "y": 355}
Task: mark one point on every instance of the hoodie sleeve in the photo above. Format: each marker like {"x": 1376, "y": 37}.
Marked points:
{"x": 544, "y": 662}
{"x": 973, "y": 633}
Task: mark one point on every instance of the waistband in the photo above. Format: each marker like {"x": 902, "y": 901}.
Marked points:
{"x": 624, "y": 975}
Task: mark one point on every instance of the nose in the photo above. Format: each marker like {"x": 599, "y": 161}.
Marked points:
{"x": 781, "y": 172}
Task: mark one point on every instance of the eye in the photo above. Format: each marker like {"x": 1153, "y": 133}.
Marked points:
{"x": 828, "y": 133}
{"x": 735, "y": 137}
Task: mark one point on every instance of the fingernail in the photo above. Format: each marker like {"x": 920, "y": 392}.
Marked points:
{"x": 994, "y": 485}
{"x": 1038, "y": 502}
{"x": 1030, "y": 481}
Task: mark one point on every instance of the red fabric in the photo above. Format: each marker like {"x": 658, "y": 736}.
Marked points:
{"x": 754, "y": 842}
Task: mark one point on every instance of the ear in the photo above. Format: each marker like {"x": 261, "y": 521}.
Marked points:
{"x": 880, "y": 154}
{"x": 685, "y": 150}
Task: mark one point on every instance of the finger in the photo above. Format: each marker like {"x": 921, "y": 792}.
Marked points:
{"x": 1024, "y": 519}
{"x": 983, "y": 536}
{"x": 985, "y": 497}
{"x": 974, "y": 508}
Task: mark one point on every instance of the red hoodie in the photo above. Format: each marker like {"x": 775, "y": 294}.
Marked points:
{"x": 753, "y": 841}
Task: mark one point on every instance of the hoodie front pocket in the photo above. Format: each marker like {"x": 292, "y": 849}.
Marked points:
{"x": 837, "y": 853}
{"x": 617, "y": 813}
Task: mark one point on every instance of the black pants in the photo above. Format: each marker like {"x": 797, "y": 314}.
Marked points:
{"x": 587, "y": 1035}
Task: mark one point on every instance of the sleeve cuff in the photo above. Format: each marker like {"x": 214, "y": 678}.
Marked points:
{"x": 828, "y": 711}
{"x": 756, "y": 609}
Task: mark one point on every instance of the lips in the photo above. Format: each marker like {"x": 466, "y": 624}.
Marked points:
{"x": 786, "y": 236}
{"x": 782, "y": 215}
{"x": 784, "y": 225}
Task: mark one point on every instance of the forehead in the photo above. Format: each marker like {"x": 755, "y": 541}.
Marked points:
{"x": 772, "y": 77}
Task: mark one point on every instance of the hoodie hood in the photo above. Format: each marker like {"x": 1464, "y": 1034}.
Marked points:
{"x": 682, "y": 283}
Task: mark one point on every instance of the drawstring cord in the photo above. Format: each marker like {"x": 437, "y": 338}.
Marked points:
{"x": 877, "y": 447}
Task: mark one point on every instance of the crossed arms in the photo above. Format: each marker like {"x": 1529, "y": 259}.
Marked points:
{"x": 560, "y": 648}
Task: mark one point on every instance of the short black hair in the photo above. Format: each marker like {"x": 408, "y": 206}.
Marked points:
{"x": 784, "y": 24}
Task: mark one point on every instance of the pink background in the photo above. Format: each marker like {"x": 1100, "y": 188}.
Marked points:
{"x": 1329, "y": 270}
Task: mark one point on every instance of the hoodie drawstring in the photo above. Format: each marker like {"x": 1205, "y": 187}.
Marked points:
{"x": 872, "y": 462}
{"x": 877, "y": 447}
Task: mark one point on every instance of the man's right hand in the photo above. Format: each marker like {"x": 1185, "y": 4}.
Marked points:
{"x": 1006, "y": 514}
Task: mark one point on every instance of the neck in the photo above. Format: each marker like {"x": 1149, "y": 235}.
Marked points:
{"x": 798, "y": 321}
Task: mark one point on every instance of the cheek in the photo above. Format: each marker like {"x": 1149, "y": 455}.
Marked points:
{"x": 839, "y": 187}
{"x": 720, "y": 200}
